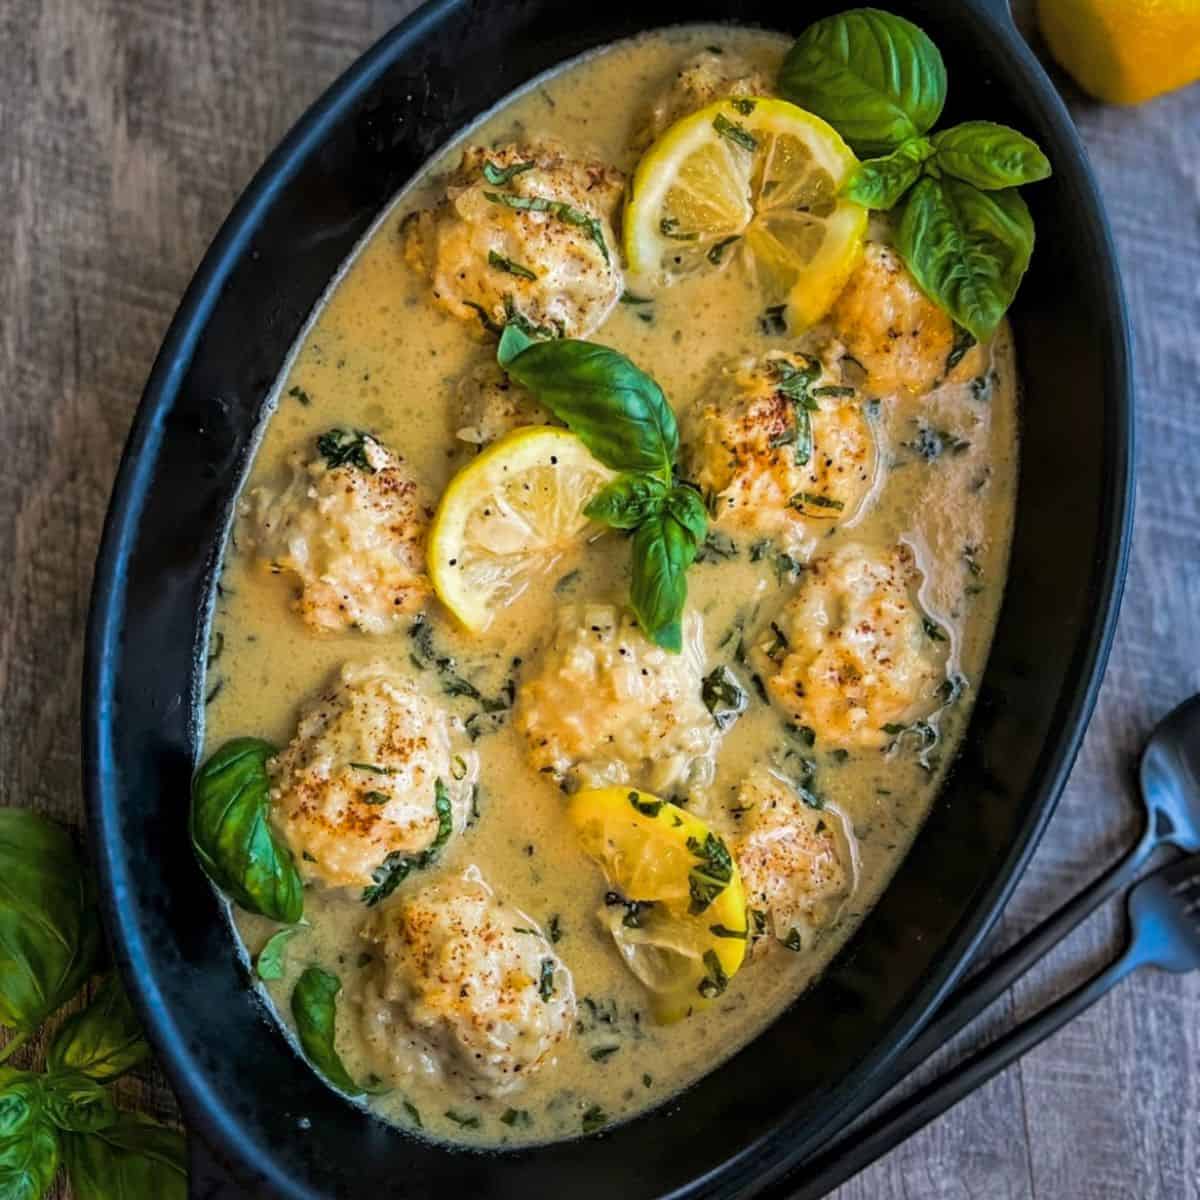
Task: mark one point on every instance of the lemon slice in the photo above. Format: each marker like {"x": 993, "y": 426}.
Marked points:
{"x": 507, "y": 517}
{"x": 680, "y": 920}
{"x": 757, "y": 180}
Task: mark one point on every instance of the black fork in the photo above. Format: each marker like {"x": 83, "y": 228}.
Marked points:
{"x": 1164, "y": 917}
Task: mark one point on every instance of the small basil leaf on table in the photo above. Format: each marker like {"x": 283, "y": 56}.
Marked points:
{"x": 29, "y": 1157}
{"x": 614, "y": 407}
{"x": 627, "y": 501}
{"x": 875, "y": 77}
{"x": 663, "y": 549}
{"x": 967, "y": 249}
{"x": 880, "y": 182}
{"x": 988, "y": 155}
{"x": 103, "y": 1041}
{"x": 233, "y": 838}
{"x": 314, "y": 1006}
{"x": 20, "y": 1101}
{"x": 133, "y": 1159}
{"x": 269, "y": 963}
{"x": 76, "y": 1103}
{"x": 50, "y": 939}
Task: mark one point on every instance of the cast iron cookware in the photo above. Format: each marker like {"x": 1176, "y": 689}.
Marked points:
{"x": 243, "y": 1089}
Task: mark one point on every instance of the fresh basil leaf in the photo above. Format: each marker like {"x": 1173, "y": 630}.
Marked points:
{"x": 875, "y": 77}
{"x": 233, "y": 838}
{"x": 50, "y": 940}
{"x": 269, "y": 963}
{"x": 967, "y": 249}
{"x": 617, "y": 410}
{"x": 314, "y": 1005}
{"x": 880, "y": 182}
{"x": 687, "y": 507}
{"x": 20, "y": 1100}
{"x": 134, "y": 1159}
{"x": 29, "y": 1153}
{"x": 76, "y": 1103}
{"x": 988, "y": 155}
{"x": 627, "y": 501}
{"x": 104, "y": 1040}
{"x": 663, "y": 549}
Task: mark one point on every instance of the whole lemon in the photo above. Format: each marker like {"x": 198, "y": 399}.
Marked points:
{"x": 1124, "y": 51}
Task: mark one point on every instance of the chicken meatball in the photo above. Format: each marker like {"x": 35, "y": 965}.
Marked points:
{"x": 902, "y": 340}
{"x": 377, "y": 773}
{"x": 524, "y": 235}
{"x": 703, "y": 79}
{"x": 491, "y": 405}
{"x": 463, "y": 987}
{"x": 349, "y": 527}
{"x": 796, "y": 862}
{"x": 779, "y": 445}
{"x": 607, "y": 706}
{"x": 851, "y": 651}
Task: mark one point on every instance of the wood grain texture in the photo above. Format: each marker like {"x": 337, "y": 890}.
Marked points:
{"x": 128, "y": 127}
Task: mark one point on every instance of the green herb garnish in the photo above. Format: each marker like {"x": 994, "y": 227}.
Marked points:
{"x": 508, "y": 266}
{"x": 398, "y": 865}
{"x": 716, "y": 981}
{"x": 964, "y": 230}
{"x": 345, "y": 448}
{"x": 546, "y": 979}
{"x": 557, "y": 209}
{"x": 733, "y": 132}
{"x": 503, "y": 176}
{"x": 708, "y": 880}
{"x": 723, "y": 696}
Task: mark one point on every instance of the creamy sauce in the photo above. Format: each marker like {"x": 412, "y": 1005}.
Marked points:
{"x": 381, "y": 357}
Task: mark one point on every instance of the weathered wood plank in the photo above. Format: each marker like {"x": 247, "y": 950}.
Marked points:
{"x": 129, "y": 126}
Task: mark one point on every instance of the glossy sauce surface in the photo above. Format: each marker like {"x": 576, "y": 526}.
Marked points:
{"x": 381, "y": 357}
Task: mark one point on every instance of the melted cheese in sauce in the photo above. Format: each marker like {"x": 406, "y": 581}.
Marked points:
{"x": 382, "y": 356}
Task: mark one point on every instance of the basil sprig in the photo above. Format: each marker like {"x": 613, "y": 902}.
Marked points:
{"x": 50, "y": 946}
{"x": 965, "y": 234}
{"x": 623, "y": 418}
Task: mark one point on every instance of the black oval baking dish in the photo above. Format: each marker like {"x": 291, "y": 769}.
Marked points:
{"x": 241, "y": 1085}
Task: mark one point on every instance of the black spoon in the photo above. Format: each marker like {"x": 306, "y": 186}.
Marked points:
{"x": 1164, "y": 912}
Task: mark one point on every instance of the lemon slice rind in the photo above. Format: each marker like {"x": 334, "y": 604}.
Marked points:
{"x": 509, "y": 516}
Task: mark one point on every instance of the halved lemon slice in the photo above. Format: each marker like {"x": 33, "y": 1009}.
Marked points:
{"x": 752, "y": 179}
{"x": 508, "y": 516}
{"x": 676, "y": 911}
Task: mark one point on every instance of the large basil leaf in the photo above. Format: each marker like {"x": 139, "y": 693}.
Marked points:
{"x": 967, "y": 249}
{"x": 29, "y": 1161}
{"x": 880, "y": 182}
{"x": 615, "y": 408}
{"x": 28, "y": 1141}
{"x": 627, "y": 501}
{"x": 233, "y": 838}
{"x": 135, "y": 1159}
{"x": 314, "y": 1005}
{"x": 50, "y": 939}
{"x": 103, "y": 1041}
{"x": 663, "y": 549}
{"x": 875, "y": 77}
{"x": 988, "y": 155}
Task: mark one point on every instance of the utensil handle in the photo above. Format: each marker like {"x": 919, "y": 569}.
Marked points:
{"x": 967, "y": 1001}
{"x": 849, "y": 1155}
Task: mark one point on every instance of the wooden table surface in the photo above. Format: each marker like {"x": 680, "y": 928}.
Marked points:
{"x": 128, "y": 127}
